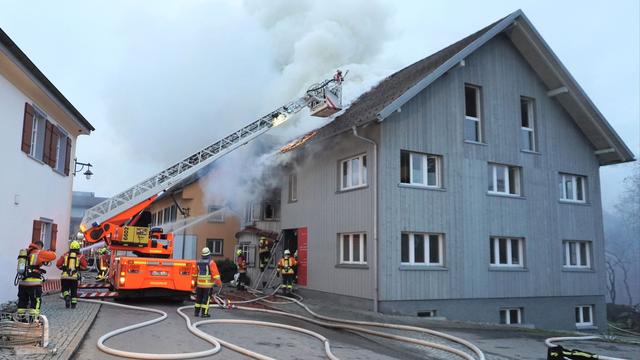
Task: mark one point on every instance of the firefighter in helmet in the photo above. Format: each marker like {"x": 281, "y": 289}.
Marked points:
{"x": 286, "y": 268}
{"x": 264, "y": 249}
{"x": 103, "y": 263}
{"x": 241, "y": 264}
{"x": 71, "y": 263}
{"x": 207, "y": 276}
{"x": 30, "y": 277}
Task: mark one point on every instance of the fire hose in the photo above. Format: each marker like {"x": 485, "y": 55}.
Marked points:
{"x": 550, "y": 342}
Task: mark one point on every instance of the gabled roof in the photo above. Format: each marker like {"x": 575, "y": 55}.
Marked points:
{"x": 23, "y": 61}
{"x": 391, "y": 93}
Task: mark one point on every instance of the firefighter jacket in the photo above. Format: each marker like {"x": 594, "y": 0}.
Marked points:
{"x": 36, "y": 259}
{"x": 207, "y": 273}
{"x": 71, "y": 263}
{"x": 264, "y": 246}
{"x": 286, "y": 265}
{"x": 103, "y": 261}
{"x": 241, "y": 263}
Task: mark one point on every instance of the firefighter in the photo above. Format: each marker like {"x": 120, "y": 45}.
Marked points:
{"x": 264, "y": 249}
{"x": 338, "y": 77}
{"x": 103, "y": 263}
{"x": 286, "y": 267}
{"x": 241, "y": 263}
{"x": 207, "y": 276}
{"x": 30, "y": 284}
{"x": 71, "y": 263}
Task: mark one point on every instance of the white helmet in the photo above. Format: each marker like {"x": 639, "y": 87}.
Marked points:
{"x": 287, "y": 252}
{"x": 205, "y": 251}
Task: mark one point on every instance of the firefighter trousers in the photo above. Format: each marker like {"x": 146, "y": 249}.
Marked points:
{"x": 264, "y": 260}
{"x": 70, "y": 291}
{"x": 287, "y": 282}
{"x": 243, "y": 280}
{"x": 203, "y": 298}
{"x": 29, "y": 298}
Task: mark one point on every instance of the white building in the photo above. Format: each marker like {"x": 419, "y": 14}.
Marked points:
{"x": 37, "y": 144}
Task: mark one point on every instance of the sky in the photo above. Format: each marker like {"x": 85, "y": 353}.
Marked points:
{"x": 160, "y": 79}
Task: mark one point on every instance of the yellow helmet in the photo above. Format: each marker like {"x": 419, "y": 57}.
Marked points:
{"x": 239, "y": 252}
{"x": 75, "y": 245}
{"x": 102, "y": 250}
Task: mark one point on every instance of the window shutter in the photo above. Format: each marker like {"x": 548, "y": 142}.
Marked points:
{"x": 67, "y": 157}
{"x": 54, "y": 237}
{"x": 37, "y": 228}
{"x": 48, "y": 134}
{"x": 27, "y": 127}
{"x": 55, "y": 136}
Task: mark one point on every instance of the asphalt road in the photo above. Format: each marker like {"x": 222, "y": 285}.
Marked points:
{"x": 172, "y": 336}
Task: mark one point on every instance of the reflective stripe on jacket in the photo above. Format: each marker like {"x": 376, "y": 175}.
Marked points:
{"x": 286, "y": 265}
{"x": 207, "y": 273}
{"x": 36, "y": 259}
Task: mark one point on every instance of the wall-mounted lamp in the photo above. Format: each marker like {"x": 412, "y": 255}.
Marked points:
{"x": 87, "y": 173}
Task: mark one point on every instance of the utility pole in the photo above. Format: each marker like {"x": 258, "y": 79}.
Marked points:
{"x": 185, "y": 214}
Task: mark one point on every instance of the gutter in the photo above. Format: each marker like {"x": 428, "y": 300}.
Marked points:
{"x": 375, "y": 216}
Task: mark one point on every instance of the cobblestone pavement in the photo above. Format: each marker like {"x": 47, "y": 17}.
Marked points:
{"x": 67, "y": 328}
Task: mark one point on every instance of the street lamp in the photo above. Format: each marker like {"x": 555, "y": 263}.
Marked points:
{"x": 87, "y": 173}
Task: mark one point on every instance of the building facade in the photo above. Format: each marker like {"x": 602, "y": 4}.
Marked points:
{"x": 38, "y": 144}
{"x": 464, "y": 186}
{"x": 213, "y": 225}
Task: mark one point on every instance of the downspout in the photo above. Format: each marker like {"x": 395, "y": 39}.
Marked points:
{"x": 375, "y": 216}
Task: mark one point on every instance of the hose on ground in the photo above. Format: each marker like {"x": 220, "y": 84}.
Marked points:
{"x": 550, "y": 343}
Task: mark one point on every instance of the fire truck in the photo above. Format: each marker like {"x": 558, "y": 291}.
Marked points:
{"x": 141, "y": 262}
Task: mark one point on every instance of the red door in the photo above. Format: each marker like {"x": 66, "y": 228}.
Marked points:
{"x": 302, "y": 256}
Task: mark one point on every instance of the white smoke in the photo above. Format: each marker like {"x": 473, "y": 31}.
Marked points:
{"x": 309, "y": 41}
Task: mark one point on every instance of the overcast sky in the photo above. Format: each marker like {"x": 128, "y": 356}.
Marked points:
{"x": 160, "y": 79}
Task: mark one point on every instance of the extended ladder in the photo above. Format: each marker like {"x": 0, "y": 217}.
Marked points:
{"x": 274, "y": 270}
{"x": 318, "y": 98}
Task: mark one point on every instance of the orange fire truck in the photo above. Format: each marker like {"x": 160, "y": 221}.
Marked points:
{"x": 142, "y": 261}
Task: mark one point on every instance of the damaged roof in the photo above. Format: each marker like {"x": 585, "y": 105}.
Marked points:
{"x": 394, "y": 91}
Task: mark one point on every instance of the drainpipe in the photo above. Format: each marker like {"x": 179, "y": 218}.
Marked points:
{"x": 375, "y": 216}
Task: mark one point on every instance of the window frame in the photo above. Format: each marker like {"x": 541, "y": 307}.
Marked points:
{"x": 494, "y": 242}
{"x": 566, "y": 246}
{"x": 508, "y": 320}
{"x": 220, "y": 218}
{"x": 293, "y": 187}
{"x": 574, "y": 188}
{"x": 363, "y": 172}
{"x": 61, "y": 151}
{"x": 478, "y": 119}
{"x": 580, "y": 318}
{"x": 531, "y": 119}
{"x": 212, "y": 248}
{"x": 427, "y": 249}
{"x": 507, "y": 180}
{"x": 425, "y": 169}
{"x": 38, "y": 134}
{"x": 362, "y": 246}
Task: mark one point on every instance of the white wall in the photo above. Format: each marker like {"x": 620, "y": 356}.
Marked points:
{"x": 41, "y": 191}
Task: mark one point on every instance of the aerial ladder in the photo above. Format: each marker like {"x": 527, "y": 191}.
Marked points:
{"x": 122, "y": 223}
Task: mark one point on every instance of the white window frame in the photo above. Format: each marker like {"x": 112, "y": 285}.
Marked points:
{"x": 478, "y": 119}
{"x": 293, "y": 187}
{"x": 579, "y": 263}
{"x": 362, "y": 244}
{"x": 580, "y": 321}
{"x": 34, "y": 136}
{"x": 213, "y": 246}
{"x": 218, "y": 218}
{"x": 427, "y": 249}
{"x": 507, "y": 183}
{"x": 496, "y": 252}
{"x": 45, "y": 234}
{"x": 574, "y": 187}
{"x": 362, "y": 173}
{"x": 425, "y": 170}
{"x": 530, "y": 130}
{"x": 507, "y": 317}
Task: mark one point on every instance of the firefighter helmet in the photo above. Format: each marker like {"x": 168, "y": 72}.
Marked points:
{"x": 239, "y": 252}
{"x": 75, "y": 245}
{"x": 287, "y": 252}
{"x": 205, "y": 251}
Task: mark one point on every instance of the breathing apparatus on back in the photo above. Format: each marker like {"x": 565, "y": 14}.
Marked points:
{"x": 21, "y": 268}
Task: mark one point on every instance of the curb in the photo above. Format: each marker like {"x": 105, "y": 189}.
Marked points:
{"x": 71, "y": 347}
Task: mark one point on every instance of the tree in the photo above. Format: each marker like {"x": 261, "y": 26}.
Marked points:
{"x": 611, "y": 280}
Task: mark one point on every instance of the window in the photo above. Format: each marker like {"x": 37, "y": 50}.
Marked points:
{"x": 573, "y": 188}
{"x": 60, "y": 152}
{"x": 353, "y": 172}
{"x": 504, "y": 179}
{"x": 45, "y": 235}
{"x": 37, "y": 136}
{"x": 421, "y": 249}
{"x": 154, "y": 218}
{"x": 584, "y": 315}
{"x": 511, "y": 316}
{"x": 577, "y": 254}
{"x": 506, "y": 251}
{"x": 427, "y": 313}
{"x": 271, "y": 211}
{"x": 173, "y": 215}
{"x": 293, "y": 187}
{"x": 420, "y": 169}
{"x": 218, "y": 217}
{"x": 472, "y": 107}
{"x": 215, "y": 246}
{"x": 353, "y": 248}
{"x": 527, "y": 124}
{"x": 45, "y": 231}
{"x": 249, "y": 253}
